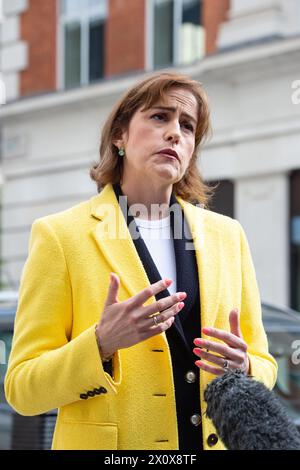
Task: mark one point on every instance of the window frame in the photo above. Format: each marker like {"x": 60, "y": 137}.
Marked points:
{"x": 83, "y": 17}
{"x": 177, "y": 21}
{"x": 294, "y": 213}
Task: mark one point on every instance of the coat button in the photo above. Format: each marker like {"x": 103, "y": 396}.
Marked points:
{"x": 195, "y": 419}
{"x": 83, "y": 396}
{"x": 190, "y": 377}
{"x": 102, "y": 390}
{"x": 212, "y": 440}
{"x": 97, "y": 391}
{"x": 91, "y": 393}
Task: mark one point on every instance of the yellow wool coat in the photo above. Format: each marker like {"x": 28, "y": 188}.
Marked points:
{"x": 64, "y": 284}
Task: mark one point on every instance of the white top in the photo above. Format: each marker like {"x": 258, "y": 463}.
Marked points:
{"x": 157, "y": 235}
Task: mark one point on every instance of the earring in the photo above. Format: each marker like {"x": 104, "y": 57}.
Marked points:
{"x": 121, "y": 152}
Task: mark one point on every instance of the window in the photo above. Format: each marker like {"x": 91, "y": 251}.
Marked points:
{"x": 191, "y": 32}
{"x": 222, "y": 200}
{"x": 96, "y": 56}
{"x": 295, "y": 239}
{"x": 163, "y": 32}
{"x": 72, "y": 54}
{"x": 176, "y": 35}
{"x": 82, "y": 40}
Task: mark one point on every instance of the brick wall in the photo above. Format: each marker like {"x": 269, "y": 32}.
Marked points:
{"x": 125, "y": 37}
{"x": 38, "y": 29}
{"x": 214, "y": 13}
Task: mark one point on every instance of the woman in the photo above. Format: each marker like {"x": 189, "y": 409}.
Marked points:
{"x": 109, "y": 315}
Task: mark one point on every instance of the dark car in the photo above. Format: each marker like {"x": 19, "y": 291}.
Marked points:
{"x": 16, "y": 431}
{"x": 282, "y": 326}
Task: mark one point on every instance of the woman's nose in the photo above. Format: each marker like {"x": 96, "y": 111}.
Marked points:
{"x": 173, "y": 132}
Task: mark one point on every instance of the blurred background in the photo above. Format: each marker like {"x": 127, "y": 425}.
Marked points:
{"x": 63, "y": 65}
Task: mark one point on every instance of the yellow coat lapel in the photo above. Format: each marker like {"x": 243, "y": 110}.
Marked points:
{"x": 115, "y": 242}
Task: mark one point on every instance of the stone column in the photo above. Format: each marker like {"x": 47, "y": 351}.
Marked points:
{"x": 262, "y": 207}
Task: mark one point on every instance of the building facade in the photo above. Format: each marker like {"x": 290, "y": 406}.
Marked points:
{"x": 65, "y": 63}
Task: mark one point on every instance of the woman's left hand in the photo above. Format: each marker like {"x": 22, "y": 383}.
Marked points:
{"x": 232, "y": 355}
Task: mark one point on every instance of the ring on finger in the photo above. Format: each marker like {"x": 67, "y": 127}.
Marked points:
{"x": 155, "y": 319}
{"x": 225, "y": 365}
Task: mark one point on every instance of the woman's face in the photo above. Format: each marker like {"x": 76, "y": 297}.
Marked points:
{"x": 168, "y": 124}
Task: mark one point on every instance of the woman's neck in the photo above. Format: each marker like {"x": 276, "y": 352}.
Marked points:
{"x": 152, "y": 202}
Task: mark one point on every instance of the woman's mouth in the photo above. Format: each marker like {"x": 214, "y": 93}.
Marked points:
{"x": 167, "y": 155}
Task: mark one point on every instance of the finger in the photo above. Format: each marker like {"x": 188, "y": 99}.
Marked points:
{"x": 218, "y": 360}
{"x": 219, "y": 348}
{"x": 164, "y": 316}
{"x": 211, "y": 369}
{"x": 141, "y": 297}
{"x": 162, "y": 304}
{"x": 156, "y": 330}
{"x": 228, "y": 338}
{"x": 112, "y": 290}
{"x": 234, "y": 321}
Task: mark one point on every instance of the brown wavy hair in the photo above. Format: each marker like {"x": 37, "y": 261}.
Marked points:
{"x": 146, "y": 93}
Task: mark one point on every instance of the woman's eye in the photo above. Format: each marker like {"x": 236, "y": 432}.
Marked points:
{"x": 155, "y": 115}
{"x": 189, "y": 127}
{"x": 185, "y": 124}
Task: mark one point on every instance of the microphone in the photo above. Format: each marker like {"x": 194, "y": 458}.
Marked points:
{"x": 247, "y": 415}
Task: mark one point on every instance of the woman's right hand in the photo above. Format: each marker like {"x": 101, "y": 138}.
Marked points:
{"x": 126, "y": 323}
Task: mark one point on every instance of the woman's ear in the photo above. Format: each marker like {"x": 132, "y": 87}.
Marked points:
{"x": 117, "y": 143}
{"x": 121, "y": 140}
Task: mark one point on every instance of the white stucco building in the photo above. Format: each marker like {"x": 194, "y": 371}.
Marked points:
{"x": 49, "y": 141}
